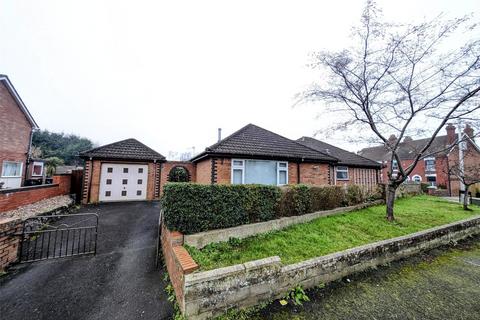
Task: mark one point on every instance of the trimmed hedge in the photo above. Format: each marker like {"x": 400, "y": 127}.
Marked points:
{"x": 192, "y": 208}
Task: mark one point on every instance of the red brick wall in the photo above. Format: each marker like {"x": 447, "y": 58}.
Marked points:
{"x": 169, "y": 165}
{"x": 15, "y": 130}
{"x": 204, "y": 171}
{"x": 314, "y": 173}
{"x": 223, "y": 174}
{"x": 177, "y": 260}
{"x": 13, "y": 198}
{"x": 9, "y": 242}
{"x": 92, "y": 175}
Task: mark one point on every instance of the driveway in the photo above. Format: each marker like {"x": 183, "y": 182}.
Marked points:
{"x": 120, "y": 282}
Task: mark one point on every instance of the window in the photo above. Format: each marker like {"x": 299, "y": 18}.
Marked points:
{"x": 342, "y": 173}
{"x": 430, "y": 164}
{"x": 417, "y": 178}
{"x": 12, "y": 169}
{"x": 125, "y": 170}
{"x": 432, "y": 180}
{"x": 124, "y": 193}
{"x": 124, "y": 181}
{"x": 139, "y": 192}
{"x": 259, "y": 172}
{"x": 109, "y": 181}
{"x": 37, "y": 169}
{"x": 140, "y": 170}
{"x": 395, "y": 165}
{"x": 139, "y": 181}
{"x": 109, "y": 170}
{"x": 108, "y": 193}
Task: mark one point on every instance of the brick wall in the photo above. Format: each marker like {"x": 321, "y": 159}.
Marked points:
{"x": 11, "y": 199}
{"x": 177, "y": 260}
{"x": 314, "y": 173}
{"x": 15, "y": 130}
{"x": 9, "y": 242}
{"x": 169, "y": 165}
{"x": 223, "y": 171}
{"x": 204, "y": 171}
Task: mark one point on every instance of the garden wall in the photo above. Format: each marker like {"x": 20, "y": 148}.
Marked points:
{"x": 211, "y": 293}
{"x": 11, "y": 199}
{"x": 9, "y": 241}
{"x": 200, "y": 240}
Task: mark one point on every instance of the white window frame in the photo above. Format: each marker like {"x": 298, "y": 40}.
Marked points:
{"x": 242, "y": 168}
{"x": 36, "y": 163}
{"x": 395, "y": 162}
{"x": 419, "y": 176}
{"x": 434, "y": 164}
{"x": 342, "y": 170}
{"x": 282, "y": 169}
{"x": 16, "y": 162}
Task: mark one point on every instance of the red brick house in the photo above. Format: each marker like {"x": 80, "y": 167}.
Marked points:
{"x": 16, "y": 129}
{"x": 255, "y": 155}
{"x": 250, "y": 155}
{"x": 433, "y": 170}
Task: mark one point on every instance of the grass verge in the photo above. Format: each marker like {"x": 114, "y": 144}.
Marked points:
{"x": 334, "y": 233}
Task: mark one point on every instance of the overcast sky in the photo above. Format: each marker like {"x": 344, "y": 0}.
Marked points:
{"x": 169, "y": 73}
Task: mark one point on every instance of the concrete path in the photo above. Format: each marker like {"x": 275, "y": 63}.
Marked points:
{"x": 120, "y": 282}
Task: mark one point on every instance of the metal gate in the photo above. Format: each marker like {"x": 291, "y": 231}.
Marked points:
{"x": 58, "y": 236}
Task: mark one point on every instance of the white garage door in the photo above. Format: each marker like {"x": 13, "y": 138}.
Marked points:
{"x": 123, "y": 182}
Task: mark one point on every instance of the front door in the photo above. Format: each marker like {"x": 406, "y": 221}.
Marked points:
{"x": 123, "y": 182}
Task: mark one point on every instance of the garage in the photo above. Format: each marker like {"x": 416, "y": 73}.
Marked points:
{"x": 126, "y": 170}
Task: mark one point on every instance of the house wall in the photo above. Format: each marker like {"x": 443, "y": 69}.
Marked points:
{"x": 166, "y": 167}
{"x": 204, "y": 171}
{"x": 92, "y": 175}
{"x": 15, "y": 131}
{"x": 360, "y": 176}
{"x": 440, "y": 170}
{"x": 314, "y": 173}
{"x": 471, "y": 162}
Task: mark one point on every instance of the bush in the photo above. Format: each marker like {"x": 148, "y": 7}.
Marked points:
{"x": 326, "y": 198}
{"x": 354, "y": 195}
{"x": 191, "y": 208}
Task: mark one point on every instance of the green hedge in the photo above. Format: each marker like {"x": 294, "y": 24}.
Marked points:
{"x": 191, "y": 208}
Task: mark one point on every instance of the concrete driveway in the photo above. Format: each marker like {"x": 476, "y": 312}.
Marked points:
{"x": 120, "y": 282}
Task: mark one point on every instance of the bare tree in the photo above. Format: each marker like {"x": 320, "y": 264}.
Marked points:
{"x": 398, "y": 78}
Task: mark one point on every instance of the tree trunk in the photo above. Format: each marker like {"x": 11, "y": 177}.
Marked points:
{"x": 465, "y": 199}
{"x": 390, "y": 201}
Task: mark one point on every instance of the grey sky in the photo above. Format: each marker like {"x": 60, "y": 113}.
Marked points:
{"x": 169, "y": 73}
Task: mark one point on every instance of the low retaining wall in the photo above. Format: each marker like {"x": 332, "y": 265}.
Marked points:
{"x": 211, "y": 293}
{"x": 200, "y": 240}
{"x": 11, "y": 199}
{"x": 9, "y": 241}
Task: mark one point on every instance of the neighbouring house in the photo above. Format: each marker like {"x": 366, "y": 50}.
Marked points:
{"x": 433, "y": 169}
{"x": 122, "y": 171}
{"x": 251, "y": 155}
{"x": 16, "y": 129}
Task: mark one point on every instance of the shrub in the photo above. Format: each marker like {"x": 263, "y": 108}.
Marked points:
{"x": 296, "y": 200}
{"x": 191, "y": 208}
{"x": 328, "y": 197}
{"x": 354, "y": 195}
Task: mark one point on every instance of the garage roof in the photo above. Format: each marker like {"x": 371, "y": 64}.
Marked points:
{"x": 129, "y": 149}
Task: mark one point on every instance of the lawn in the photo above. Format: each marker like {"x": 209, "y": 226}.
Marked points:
{"x": 334, "y": 233}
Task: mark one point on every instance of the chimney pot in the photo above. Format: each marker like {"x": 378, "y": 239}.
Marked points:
{"x": 219, "y": 134}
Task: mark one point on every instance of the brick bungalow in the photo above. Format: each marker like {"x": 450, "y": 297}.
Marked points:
{"x": 16, "y": 129}
{"x": 250, "y": 155}
{"x": 433, "y": 170}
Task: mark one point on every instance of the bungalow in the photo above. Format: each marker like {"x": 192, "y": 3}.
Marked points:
{"x": 16, "y": 129}
{"x": 250, "y": 155}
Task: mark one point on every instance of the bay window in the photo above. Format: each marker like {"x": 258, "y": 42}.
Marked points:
{"x": 246, "y": 171}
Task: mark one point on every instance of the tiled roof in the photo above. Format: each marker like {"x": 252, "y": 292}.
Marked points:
{"x": 345, "y": 157}
{"x": 407, "y": 150}
{"x": 129, "y": 149}
{"x": 253, "y": 141}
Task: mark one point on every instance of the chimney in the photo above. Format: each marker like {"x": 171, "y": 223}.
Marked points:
{"x": 407, "y": 139}
{"x": 468, "y": 131}
{"x": 219, "y": 134}
{"x": 451, "y": 136}
{"x": 392, "y": 139}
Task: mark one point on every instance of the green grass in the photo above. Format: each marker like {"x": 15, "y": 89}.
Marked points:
{"x": 334, "y": 233}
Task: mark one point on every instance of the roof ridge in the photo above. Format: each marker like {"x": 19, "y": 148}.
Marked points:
{"x": 105, "y": 145}
{"x": 228, "y": 137}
